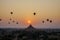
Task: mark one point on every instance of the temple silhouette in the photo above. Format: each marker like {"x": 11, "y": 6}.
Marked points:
{"x": 29, "y": 33}
{"x": 30, "y": 28}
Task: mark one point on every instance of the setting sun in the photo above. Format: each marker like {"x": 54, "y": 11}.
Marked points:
{"x": 21, "y": 13}
{"x": 29, "y": 21}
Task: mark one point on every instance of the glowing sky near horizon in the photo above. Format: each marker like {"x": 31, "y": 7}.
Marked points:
{"x": 23, "y": 11}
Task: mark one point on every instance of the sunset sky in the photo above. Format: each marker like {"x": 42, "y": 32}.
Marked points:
{"x": 23, "y": 13}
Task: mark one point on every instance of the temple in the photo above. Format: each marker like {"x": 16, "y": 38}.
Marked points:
{"x": 30, "y": 28}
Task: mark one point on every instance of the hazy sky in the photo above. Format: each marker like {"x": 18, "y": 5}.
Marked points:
{"x": 23, "y": 11}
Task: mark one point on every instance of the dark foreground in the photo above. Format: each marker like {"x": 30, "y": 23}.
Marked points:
{"x": 33, "y": 34}
{"x": 29, "y": 33}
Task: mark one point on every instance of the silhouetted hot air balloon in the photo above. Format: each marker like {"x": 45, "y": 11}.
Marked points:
{"x": 11, "y": 12}
{"x": 0, "y": 19}
{"x": 16, "y": 22}
{"x": 50, "y": 21}
{"x": 11, "y": 15}
{"x": 8, "y": 22}
{"x": 34, "y": 13}
{"x": 10, "y": 19}
{"x": 13, "y": 21}
{"x": 42, "y": 21}
{"x": 47, "y": 19}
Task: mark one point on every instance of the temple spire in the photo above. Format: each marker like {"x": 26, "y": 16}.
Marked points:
{"x": 30, "y": 28}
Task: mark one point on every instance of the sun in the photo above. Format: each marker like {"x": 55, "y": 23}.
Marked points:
{"x": 29, "y": 21}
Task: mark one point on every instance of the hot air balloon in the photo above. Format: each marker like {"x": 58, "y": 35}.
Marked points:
{"x": 11, "y": 13}
{"x": 16, "y": 22}
{"x": 42, "y": 21}
{"x": 0, "y": 19}
{"x": 13, "y": 21}
{"x": 50, "y": 21}
{"x": 47, "y": 19}
{"x": 34, "y": 13}
{"x": 8, "y": 22}
{"x": 10, "y": 19}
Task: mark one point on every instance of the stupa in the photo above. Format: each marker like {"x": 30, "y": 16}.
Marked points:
{"x": 30, "y": 28}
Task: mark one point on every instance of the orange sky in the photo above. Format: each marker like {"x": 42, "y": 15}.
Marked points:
{"x": 23, "y": 11}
